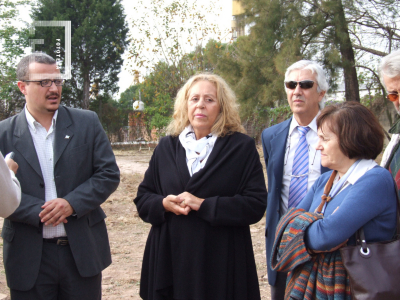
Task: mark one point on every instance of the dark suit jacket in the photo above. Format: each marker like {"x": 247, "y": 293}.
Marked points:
{"x": 85, "y": 173}
{"x": 274, "y": 143}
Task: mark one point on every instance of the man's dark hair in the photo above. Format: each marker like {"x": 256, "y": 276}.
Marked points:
{"x": 358, "y": 130}
{"x": 23, "y": 65}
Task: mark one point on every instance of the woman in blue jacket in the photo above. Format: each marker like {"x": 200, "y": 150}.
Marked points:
{"x": 362, "y": 195}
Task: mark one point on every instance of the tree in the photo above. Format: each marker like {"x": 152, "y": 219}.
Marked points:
{"x": 12, "y": 42}
{"x": 129, "y": 96}
{"x": 339, "y": 34}
{"x": 304, "y": 29}
{"x": 99, "y": 37}
{"x": 167, "y": 44}
{"x": 112, "y": 115}
{"x": 158, "y": 91}
{"x": 167, "y": 31}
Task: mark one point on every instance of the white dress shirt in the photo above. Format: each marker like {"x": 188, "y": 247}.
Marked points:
{"x": 393, "y": 142}
{"x": 314, "y": 159}
{"x": 44, "y": 145}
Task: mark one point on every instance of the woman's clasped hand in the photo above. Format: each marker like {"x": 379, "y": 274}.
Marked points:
{"x": 182, "y": 204}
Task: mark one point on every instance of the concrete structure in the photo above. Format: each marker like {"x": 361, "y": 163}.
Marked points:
{"x": 237, "y": 24}
{"x": 138, "y": 105}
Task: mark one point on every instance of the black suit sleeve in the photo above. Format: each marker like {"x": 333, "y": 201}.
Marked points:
{"x": 148, "y": 201}
{"x": 28, "y": 210}
{"x": 105, "y": 178}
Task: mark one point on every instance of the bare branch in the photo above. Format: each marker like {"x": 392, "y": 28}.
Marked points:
{"x": 372, "y": 51}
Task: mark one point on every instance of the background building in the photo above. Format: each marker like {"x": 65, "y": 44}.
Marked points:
{"x": 237, "y": 23}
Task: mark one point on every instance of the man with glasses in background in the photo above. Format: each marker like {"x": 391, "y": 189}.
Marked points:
{"x": 389, "y": 70}
{"x": 55, "y": 244}
{"x": 293, "y": 164}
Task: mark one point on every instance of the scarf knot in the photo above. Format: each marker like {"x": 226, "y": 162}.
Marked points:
{"x": 197, "y": 151}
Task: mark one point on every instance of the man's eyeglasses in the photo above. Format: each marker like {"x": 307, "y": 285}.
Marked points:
{"x": 304, "y": 84}
{"x": 393, "y": 96}
{"x": 48, "y": 82}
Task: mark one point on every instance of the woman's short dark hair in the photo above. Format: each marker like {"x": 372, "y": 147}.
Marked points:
{"x": 358, "y": 130}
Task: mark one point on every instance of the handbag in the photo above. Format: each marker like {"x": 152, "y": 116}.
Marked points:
{"x": 374, "y": 268}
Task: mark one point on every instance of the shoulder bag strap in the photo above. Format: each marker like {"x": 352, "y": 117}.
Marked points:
{"x": 325, "y": 197}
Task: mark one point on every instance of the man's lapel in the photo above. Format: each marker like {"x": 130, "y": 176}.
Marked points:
{"x": 63, "y": 134}
{"x": 23, "y": 143}
{"x": 278, "y": 144}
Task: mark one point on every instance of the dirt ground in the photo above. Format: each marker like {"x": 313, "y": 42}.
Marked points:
{"x": 128, "y": 234}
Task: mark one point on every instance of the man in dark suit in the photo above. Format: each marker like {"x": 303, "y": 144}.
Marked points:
{"x": 56, "y": 243}
{"x": 389, "y": 69}
{"x": 305, "y": 85}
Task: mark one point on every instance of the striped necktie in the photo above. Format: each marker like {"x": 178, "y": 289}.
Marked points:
{"x": 299, "y": 181}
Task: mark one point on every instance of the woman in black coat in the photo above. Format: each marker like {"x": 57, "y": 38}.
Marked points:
{"x": 203, "y": 188}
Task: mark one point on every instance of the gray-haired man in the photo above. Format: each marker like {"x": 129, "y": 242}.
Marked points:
{"x": 390, "y": 76}
{"x": 305, "y": 85}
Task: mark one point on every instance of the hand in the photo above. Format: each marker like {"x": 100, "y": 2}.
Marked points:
{"x": 173, "y": 204}
{"x": 331, "y": 250}
{"x": 55, "y": 211}
{"x": 12, "y": 165}
{"x": 189, "y": 200}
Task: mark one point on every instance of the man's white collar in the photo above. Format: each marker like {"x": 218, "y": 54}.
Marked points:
{"x": 312, "y": 125}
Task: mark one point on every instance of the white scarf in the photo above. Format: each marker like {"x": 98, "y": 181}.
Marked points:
{"x": 197, "y": 151}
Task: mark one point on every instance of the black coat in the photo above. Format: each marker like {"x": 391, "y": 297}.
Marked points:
{"x": 207, "y": 254}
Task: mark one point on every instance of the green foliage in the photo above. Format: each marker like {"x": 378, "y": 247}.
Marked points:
{"x": 12, "y": 41}
{"x": 331, "y": 102}
{"x": 128, "y": 97}
{"x": 158, "y": 92}
{"x": 113, "y": 116}
{"x": 160, "y": 111}
{"x": 278, "y": 114}
{"x": 285, "y": 31}
{"x": 99, "y": 37}
{"x": 263, "y": 117}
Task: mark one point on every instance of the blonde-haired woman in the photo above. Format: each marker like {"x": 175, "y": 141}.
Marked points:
{"x": 203, "y": 188}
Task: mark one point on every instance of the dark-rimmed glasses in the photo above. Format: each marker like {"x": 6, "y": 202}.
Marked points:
{"x": 393, "y": 96}
{"x": 304, "y": 84}
{"x": 48, "y": 82}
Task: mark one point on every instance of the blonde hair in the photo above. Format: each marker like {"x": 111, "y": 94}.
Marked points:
{"x": 227, "y": 122}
